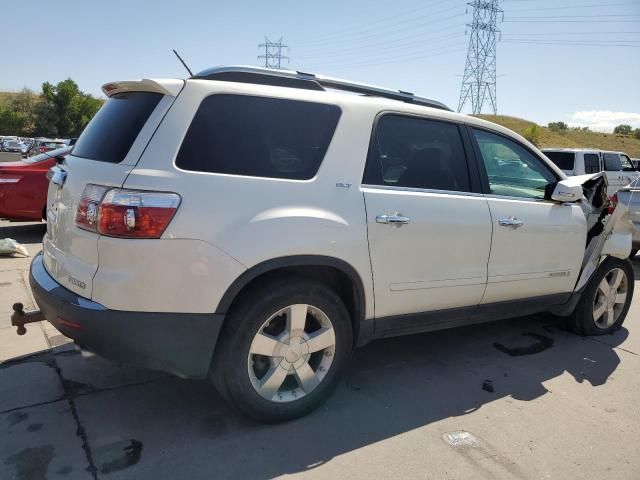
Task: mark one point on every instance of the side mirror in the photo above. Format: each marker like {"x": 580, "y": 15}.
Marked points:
{"x": 567, "y": 191}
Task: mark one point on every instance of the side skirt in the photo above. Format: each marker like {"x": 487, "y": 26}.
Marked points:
{"x": 456, "y": 317}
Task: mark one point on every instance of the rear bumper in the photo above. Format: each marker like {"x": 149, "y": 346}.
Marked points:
{"x": 177, "y": 343}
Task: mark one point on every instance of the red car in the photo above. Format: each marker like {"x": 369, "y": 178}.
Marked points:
{"x": 24, "y": 185}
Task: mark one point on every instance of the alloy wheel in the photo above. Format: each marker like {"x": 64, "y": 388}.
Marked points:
{"x": 291, "y": 353}
{"x": 610, "y": 298}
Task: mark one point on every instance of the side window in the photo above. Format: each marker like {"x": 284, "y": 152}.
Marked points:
{"x": 258, "y": 136}
{"x": 612, "y": 162}
{"x": 563, "y": 160}
{"x": 417, "y": 153}
{"x": 512, "y": 169}
{"x": 591, "y": 163}
{"x": 627, "y": 166}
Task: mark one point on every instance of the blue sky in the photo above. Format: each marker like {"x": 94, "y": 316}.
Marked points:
{"x": 576, "y": 60}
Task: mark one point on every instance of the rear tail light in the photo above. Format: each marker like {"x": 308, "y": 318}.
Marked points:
{"x": 126, "y": 213}
{"x": 613, "y": 203}
{"x": 87, "y": 213}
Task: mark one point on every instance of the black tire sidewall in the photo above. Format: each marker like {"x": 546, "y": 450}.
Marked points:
{"x": 584, "y": 323}
{"x": 230, "y": 362}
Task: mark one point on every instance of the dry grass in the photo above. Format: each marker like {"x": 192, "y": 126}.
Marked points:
{"x": 571, "y": 138}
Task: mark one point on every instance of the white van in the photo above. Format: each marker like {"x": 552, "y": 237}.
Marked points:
{"x": 579, "y": 161}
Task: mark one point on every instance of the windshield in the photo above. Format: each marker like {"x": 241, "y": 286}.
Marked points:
{"x": 46, "y": 156}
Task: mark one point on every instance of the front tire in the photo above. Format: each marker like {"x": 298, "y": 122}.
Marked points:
{"x": 605, "y": 302}
{"x": 283, "y": 349}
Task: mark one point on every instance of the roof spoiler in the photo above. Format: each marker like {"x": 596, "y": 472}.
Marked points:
{"x": 169, "y": 86}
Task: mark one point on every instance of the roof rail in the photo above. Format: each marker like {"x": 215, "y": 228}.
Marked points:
{"x": 309, "y": 81}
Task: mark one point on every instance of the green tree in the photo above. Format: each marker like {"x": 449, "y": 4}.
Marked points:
{"x": 557, "y": 126}
{"x": 65, "y": 109}
{"x": 17, "y": 115}
{"x": 623, "y": 130}
{"x": 532, "y": 133}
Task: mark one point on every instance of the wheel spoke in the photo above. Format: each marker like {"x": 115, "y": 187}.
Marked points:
{"x": 265, "y": 345}
{"x": 296, "y": 318}
{"x": 307, "y": 377}
{"x": 323, "y": 338}
{"x": 617, "y": 278}
{"x": 604, "y": 287}
{"x": 610, "y": 316}
{"x": 272, "y": 381}
{"x": 621, "y": 297}
{"x": 599, "y": 310}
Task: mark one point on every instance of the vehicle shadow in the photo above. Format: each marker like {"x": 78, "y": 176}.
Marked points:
{"x": 394, "y": 386}
{"x": 24, "y": 232}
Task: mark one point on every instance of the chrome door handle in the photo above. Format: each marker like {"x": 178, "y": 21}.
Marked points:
{"x": 510, "y": 222}
{"x": 393, "y": 219}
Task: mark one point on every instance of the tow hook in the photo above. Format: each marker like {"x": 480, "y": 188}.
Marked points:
{"x": 19, "y": 318}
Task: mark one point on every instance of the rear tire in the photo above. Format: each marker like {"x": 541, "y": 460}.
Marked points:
{"x": 605, "y": 301}
{"x": 283, "y": 349}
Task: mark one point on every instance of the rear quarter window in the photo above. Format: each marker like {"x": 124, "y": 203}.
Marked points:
{"x": 110, "y": 134}
{"x": 258, "y": 136}
{"x": 563, "y": 160}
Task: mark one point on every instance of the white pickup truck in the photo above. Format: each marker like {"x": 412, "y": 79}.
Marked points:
{"x": 618, "y": 167}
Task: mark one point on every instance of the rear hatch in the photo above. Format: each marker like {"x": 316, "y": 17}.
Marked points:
{"x": 104, "y": 154}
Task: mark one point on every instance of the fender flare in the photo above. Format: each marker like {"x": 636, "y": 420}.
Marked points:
{"x": 295, "y": 261}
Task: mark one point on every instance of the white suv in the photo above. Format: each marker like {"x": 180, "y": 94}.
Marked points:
{"x": 254, "y": 226}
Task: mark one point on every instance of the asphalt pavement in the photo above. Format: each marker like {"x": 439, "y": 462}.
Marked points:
{"x": 521, "y": 398}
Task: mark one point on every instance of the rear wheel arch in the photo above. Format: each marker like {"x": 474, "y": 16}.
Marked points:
{"x": 337, "y": 274}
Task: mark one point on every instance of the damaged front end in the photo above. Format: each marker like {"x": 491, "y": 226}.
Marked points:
{"x": 609, "y": 227}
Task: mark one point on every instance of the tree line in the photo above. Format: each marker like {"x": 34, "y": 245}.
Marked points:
{"x": 61, "y": 110}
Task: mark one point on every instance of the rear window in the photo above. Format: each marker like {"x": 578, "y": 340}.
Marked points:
{"x": 257, "y": 136}
{"x": 563, "y": 160}
{"x": 110, "y": 134}
{"x": 591, "y": 163}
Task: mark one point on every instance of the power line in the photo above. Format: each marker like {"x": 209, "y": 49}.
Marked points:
{"x": 567, "y": 7}
{"x": 577, "y": 44}
{"x": 384, "y": 42}
{"x": 376, "y": 52}
{"x": 479, "y": 78}
{"x": 339, "y": 36}
{"x": 272, "y": 53}
{"x": 398, "y": 59}
{"x": 571, "y": 21}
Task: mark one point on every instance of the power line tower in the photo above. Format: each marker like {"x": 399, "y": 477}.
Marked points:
{"x": 479, "y": 78}
{"x": 272, "y": 53}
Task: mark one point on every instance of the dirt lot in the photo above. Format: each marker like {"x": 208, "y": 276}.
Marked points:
{"x": 511, "y": 399}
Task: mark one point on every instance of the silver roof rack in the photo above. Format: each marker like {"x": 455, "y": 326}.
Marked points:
{"x": 309, "y": 81}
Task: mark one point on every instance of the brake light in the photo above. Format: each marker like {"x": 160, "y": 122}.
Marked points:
{"x": 126, "y": 213}
{"x": 87, "y": 213}
{"x": 613, "y": 203}
{"x": 136, "y": 213}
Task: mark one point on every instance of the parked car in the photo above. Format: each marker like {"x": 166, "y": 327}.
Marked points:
{"x": 573, "y": 161}
{"x": 42, "y": 145}
{"x": 630, "y": 197}
{"x": 11, "y": 146}
{"x": 233, "y": 226}
{"x": 24, "y": 184}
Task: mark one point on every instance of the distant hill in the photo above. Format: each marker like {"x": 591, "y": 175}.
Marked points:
{"x": 571, "y": 138}
{"x": 4, "y": 96}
